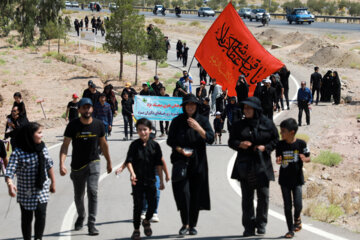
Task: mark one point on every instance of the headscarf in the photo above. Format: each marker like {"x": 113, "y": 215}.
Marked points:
{"x": 25, "y": 141}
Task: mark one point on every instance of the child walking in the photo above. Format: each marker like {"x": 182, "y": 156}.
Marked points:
{"x": 290, "y": 154}
{"x": 143, "y": 156}
{"x": 218, "y": 126}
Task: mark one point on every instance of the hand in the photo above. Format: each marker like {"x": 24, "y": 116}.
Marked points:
{"x": 167, "y": 178}
{"x": 133, "y": 179}
{"x": 245, "y": 144}
{"x": 116, "y": 113}
{"x": 63, "y": 170}
{"x": 66, "y": 119}
{"x": 302, "y": 157}
{"x": 52, "y": 187}
{"x": 110, "y": 128}
{"x": 119, "y": 170}
{"x": 188, "y": 154}
{"x": 279, "y": 159}
{"x": 109, "y": 167}
{"x": 12, "y": 190}
{"x": 194, "y": 124}
{"x": 162, "y": 185}
{"x": 260, "y": 147}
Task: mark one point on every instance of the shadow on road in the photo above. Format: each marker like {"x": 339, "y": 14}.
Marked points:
{"x": 209, "y": 238}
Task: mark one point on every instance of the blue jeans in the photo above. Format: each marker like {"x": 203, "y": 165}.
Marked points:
{"x": 145, "y": 204}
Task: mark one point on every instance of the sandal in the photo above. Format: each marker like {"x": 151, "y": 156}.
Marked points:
{"x": 147, "y": 229}
{"x": 136, "y": 235}
{"x": 297, "y": 225}
{"x": 289, "y": 235}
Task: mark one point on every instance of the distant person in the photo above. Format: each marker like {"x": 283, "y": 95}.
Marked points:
{"x": 315, "y": 84}
{"x": 72, "y": 109}
{"x": 77, "y": 26}
{"x": 242, "y": 89}
{"x": 232, "y": 113}
{"x": 218, "y": 126}
{"x": 14, "y": 122}
{"x": 187, "y": 81}
{"x": 111, "y": 99}
{"x": 279, "y": 90}
{"x": 179, "y": 90}
{"x": 149, "y": 28}
{"x": 204, "y": 108}
{"x": 81, "y": 24}
{"x": 127, "y": 112}
{"x": 167, "y": 44}
{"x": 102, "y": 111}
{"x": 291, "y": 153}
{"x": 215, "y": 92}
{"x": 164, "y": 130}
{"x": 202, "y": 73}
{"x": 201, "y": 91}
{"x": 284, "y": 79}
{"x": 179, "y": 47}
{"x": 86, "y": 134}
{"x": 326, "y": 87}
{"x": 336, "y": 85}
{"x": 304, "y": 99}
{"x": 156, "y": 86}
{"x": 185, "y": 53}
{"x": 93, "y": 25}
{"x": 146, "y": 91}
{"x": 268, "y": 99}
{"x": 129, "y": 90}
{"x": 31, "y": 164}
{"x": 86, "y": 23}
{"x": 18, "y": 102}
{"x": 92, "y": 93}
{"x": 143, "y": 157}
{"x": 3, "y": 154}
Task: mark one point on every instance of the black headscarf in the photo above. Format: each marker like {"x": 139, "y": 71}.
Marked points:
{"x": 25, "y": 141}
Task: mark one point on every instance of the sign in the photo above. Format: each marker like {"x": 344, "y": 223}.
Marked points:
{"x": 229, "y": 50}
{"x": 157, "y": 108}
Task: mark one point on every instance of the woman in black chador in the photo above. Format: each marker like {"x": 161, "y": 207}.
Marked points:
{"x": 254, "y": 138}
{"x": 336, "y": 87}
{"x": 326, "y": 87}
{"x": 189, "y": 132}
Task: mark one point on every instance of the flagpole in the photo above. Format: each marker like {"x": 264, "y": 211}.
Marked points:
{"x": 191, "y": 64}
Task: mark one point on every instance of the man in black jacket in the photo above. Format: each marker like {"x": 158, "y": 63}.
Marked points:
{"x": 284, "y": 79}
{"x": 315, "y": 83}
{"x": 242, "y": 89}
{"x": 268, "y": 99}
{"x": 156, "y": 85}
{"x": 279, "y": 89}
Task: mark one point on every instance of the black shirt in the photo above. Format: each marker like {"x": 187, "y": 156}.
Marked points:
{"x": 204, "y": 110}
{"x": 127, "y": 106}
{"x": 73, "y": 110}
{"x": 93, "y": 96}
{"x": 315, "y": 80}
{"x": 2, "y": 150}
{"x": 147, "y": 93}
{"x": 291, "y": 173}
{"x": 156, "y": 88}
{"x": 21, "y": 108}
{"x": 267, "y": 97}
{"x": 202, "y": 94}
{"x": 130, "y": 91}
{"x": 85, "y": 141}
{"x": 217, "y": 125}
{"x": 144, "y": 159}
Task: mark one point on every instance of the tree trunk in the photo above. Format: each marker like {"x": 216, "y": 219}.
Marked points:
{"x": 49, "y": 45}
{"x": 121, "y": 65}
{"x": 58, "y": 45}
{"x": 136, "y": 70}
{"x": 156, "y": 63}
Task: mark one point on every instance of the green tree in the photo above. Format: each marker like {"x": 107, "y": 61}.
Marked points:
{"x": 214, "y": 4}
{"x": 343, "y": 4}
{"x": 242, "y": 3}
{"x": 25, "y": 21}
{"x": 54, "y": 30}
{"x": 190, "y": 4}
{"x": 331, "y": 8}
{"x": 48, "y": 11}
{"x": 316, "y": 5}
{"x": 6, "y": 17}
{"x": 116, "y": 37}
{"x": 292, "y": 4}
{"x": 156, "y": 46}
{"x": 354, "y": 9}
{"x": 199, "y": 3}
{"x": 179, "y": 3}
{"x": 274, "y": 5}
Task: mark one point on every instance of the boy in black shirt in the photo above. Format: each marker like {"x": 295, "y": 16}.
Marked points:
{"x": 291, "y": 153}
{"x": 127, "y": 112}
{"x": 218, "y": 126}
{"x": 72, "y": 109}
{"x": 143, "y": 156}
{"x": 20, "y": 104}
{"x": 162, "y": 129}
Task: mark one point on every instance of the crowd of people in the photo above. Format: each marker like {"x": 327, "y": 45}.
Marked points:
{"x": 96, "y": 25}
{"x": 252, "y": 133}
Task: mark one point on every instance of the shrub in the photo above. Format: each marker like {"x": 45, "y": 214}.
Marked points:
{"x": 327, "y": 213}
{"x": 358, "y": 116}
{"x": 143, "y": 64}
{"x": 47, "y": 61}
{"x": 194, "y": 24}
{"x": 128, "y": 63}
{"x": 178, "y": 75}
{"x": 328, "y": 158}
{"x": 181, "y": 23}
{"x": 2, "y": 62}
{"x": 266, "y": 43}
{"x": 163, "y": 65}
{"x": 355, "y": 65}
{"x": 159, "y": 21}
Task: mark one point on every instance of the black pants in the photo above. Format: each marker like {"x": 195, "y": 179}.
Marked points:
{"x": 269, "y": 112}
{"x": 203, "y": 77}
{"x": 219, "y": 104}
{"x": 26, "y": 221}
{"x": 77, "y": 31}
{"x": 286, "y": 95}
{"x": 187, "y": 196}
{"x": 162, "y": 127}
{"x": 185, "y": 57}
{"x": 139, "y": 191}
{"x": 290, "y": 196}
{"x": 178, "y": 55}
{"x": 317, "y": 90}
{"x": 128, "y": 121}
{"x": 279, "y": 99}
{"x": 303, "y": 105}
{"x": 249, "y": 220}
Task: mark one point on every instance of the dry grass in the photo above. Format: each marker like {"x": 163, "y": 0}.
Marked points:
{"x": 312, "y": 190}
{"x": 328, "y": 158}
{"x": 159, "y": 21}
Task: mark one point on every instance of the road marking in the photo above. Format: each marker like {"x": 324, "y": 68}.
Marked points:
{"x": 236, "y": 187}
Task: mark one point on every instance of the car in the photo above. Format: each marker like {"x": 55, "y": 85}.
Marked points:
{"x": 206, "y": 11}
{"x": 245, "y": 12}
{"x": 257, "y": 14}
{"x": 299, "y": 15}
{"x": 113, "y": 6}
{"x": 158, "y": 9}
{"x": 75, "y": 4}
{"x": 68, "y": 4}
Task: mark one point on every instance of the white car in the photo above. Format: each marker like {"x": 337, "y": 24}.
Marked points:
{"x": 113, "y": 6}
{"x": 75, "y": 4}
{"x": 68, "y": 4}
{"x": 206, "y": 11}
{"x": 257, "y": 14}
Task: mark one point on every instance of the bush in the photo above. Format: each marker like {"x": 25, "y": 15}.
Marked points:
{"x": 47, "y": 61}
{"x": 181, "y": 23}
{"x": 178, "y": 75}
{"x": 292, "y": 4}
{"x": 328, "y": 158}
{"x": 358, "y": 116}
{"x": 316, "y": 5}
{"x": 2, "y": 62}
{"x": 159, "y": 21}
{"x": 327, "y": 213}
{"x": 194, "y": 23}
{"x": 163, "y": 65}
{"x": 266, "y": 43}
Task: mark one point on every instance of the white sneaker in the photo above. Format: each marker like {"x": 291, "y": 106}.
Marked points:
{"x": 143, "y": 216}
{"x": 155, "y": 218}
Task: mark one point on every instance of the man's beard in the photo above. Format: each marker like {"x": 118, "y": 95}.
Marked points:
{"x": 86, "y": 115}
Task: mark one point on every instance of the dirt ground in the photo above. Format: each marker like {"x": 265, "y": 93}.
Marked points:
{"x": 333, "y": 128}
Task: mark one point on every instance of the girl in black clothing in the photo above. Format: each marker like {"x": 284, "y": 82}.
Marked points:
{"x": 326, "y": 87}
{"x": 143, "y": 156}
{"x": 127, "y": 113}
{"x": 184, "y": 54}
{"x": 179, "y": 47}
{"x": 189, "y": 132}
{"x": 336, "y": 87}
{"x": 19, "y": 103}
{"x": 14, "y": 123}
{"x": 254, "y": 138}
{"x": 111, "y": 99}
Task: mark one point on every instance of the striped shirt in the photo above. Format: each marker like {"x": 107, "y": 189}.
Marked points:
{"x": 103, "y": 113}
{"x": 25, "y": 166}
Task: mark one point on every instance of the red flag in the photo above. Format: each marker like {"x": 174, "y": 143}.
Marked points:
{"x": 229, "y": 50}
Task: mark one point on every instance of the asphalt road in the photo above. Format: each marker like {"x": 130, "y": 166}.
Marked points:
{"x": 279, "y": 23}
{"x": 115, "y": 202}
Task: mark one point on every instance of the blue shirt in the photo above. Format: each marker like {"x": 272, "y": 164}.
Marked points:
{"x": 182, "y": 79}
{"x": 304, "y": 95}
{"x": 103, "y": 113}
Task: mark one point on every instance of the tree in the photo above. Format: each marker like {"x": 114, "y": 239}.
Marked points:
{"x": 274, "y": 5}
{"x": 242, "y": 3}
{"x": 6, "y": 17}
{"x": 199, "y": 3}
{"x": 156, "y": 46}
{"x": 316, "y": 5}
{"x": 354, "y": 9}
{"x": 48, "y": 12}
{"x": 179, "y": 3}
{"x": 331, "y": 8}
{"x": 343, "y": 4}
{"x": 25, "y": 20}
{"x": 214, "y": 4}
{"x": 292, "y": 4}
{"x": 116, "y": 36}
{"x": 54, "y": 30}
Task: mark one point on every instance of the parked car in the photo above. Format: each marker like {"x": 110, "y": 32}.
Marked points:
{"x": 75, "y": 4}
{"x": 158, "y": 9}
{"x": 299, "y": 15}
{"x": 206, "y": 11}
{"x": 68, "y": 4}
{"x": 257, "y": 14}
{"x": 113, "y": 6}
{"x": 245, "y": 12}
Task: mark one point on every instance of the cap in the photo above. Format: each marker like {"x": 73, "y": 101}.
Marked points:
{"x": 75, "y": 95}
{"x": 253, "y": 102}
{"x": 218, "y": 113}
{"x": 102, "y": 95}
{"x": 90, "y": 82}
{"x": 203, "y": 82}
{"x": 156, "y": 77}
{"x": 127, "y": 84}
{"x": 267, "y": 81}
{"x": 85, "y": 101}
{"x": 144, "y": 83}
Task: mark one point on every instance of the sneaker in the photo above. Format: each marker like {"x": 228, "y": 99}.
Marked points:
{"x": 143, "y": 216}
{"x": 79, "y": 223}
{"x": 125, "y": 139}
{"x": 192, "y": 231}
{"x": 155, "y": 218}
{"x": 220, "y": 142}
{"x": 93, "y": 231}
{"x": 162, "y": 135}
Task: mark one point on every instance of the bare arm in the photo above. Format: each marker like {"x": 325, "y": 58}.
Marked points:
{"x": 67, "y": 114}
{"x": 165, "y": 169}
{"x": 159, "y": 170}
{"x": 105, "y": 149}
{"x": 52, "y": 178}
{"x": 63, "y": 153}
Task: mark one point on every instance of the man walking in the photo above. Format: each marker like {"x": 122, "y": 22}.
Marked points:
{"x": 102, "y": 111}
{"x": 86, "y": 135}
{"x": 315, "y": 83}
{"x": 304, "y": 99}
{"x": 268, "y": 99}
{"x": 284, "y": 79}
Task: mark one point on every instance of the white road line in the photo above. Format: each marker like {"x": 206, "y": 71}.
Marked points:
{"x": 66, "y": 227}
{"x": 236, "y": 187}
